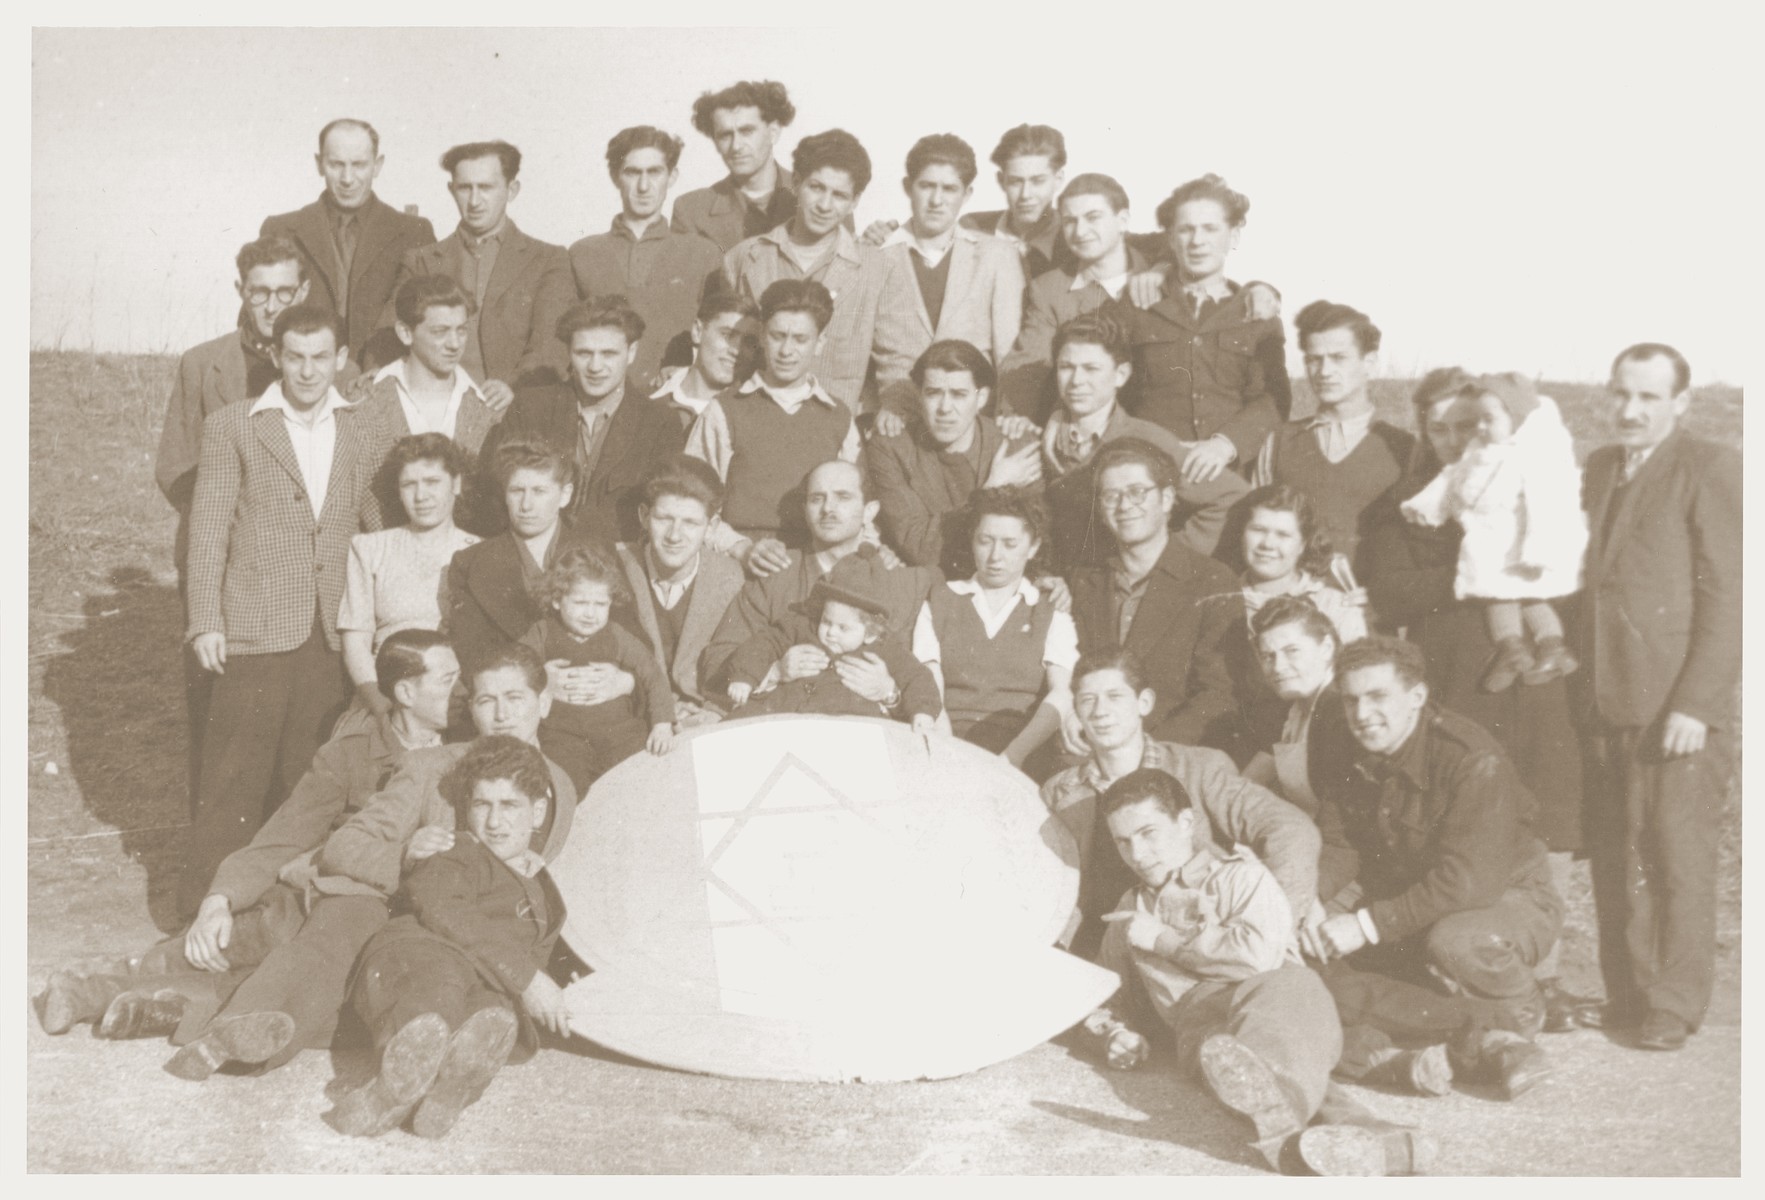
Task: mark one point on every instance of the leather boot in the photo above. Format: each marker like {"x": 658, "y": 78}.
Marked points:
{"x": 1424, "y": 1072}
{"x": 1507, "y": 662}
{"x": 142, "y": 1014}
{"x": 74, "y": 996}
{"x": 1366, "y": 1150}
{"x": 247, "y": 1038}
{"x": 1241, "y": 1080}
{"x": 407, "y": 1068}
{"x": 1509, "y": 1062}
{"x": 475, "y": 1053}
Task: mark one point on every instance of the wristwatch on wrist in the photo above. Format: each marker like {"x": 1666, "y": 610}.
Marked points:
{"x": 893, "y": 699}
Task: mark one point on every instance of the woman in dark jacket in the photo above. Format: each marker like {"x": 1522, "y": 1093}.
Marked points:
{"x": 1410, "y": 572}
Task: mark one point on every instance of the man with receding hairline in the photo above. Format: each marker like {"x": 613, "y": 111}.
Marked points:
{"x": 518, "y": 284}
{"x": 1662, "y": 629}
{"x": 352, "y": 242}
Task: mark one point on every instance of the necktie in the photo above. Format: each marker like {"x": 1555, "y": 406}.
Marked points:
{"x": 1079, "y": 445}
{"x": 346, "y": 239}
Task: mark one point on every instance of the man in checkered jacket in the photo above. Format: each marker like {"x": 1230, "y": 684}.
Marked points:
{"x": 282, "y": 484}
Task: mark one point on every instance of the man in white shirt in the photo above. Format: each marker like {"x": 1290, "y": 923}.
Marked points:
{"x": 726, "y": 340}
{"x": 282, "y": 485}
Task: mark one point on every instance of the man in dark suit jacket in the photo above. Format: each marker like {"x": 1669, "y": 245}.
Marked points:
{"x": 1171, "y": 607}
{"x": 283, "y": 484}
{"x": 351, "y": 241}
{"x": 518, "y": 284}
{"x": 615, "y": 436}
{"x": 1662, "y": 644}
{"x": 744, "y": 121}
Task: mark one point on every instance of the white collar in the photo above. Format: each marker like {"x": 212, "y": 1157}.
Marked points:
{"x": 754, "y": 383}
{"x": 1113, "y": 284}
{"x": 463, "y": 383}
{"x": 1026, "y": 591}
{"x": 273, "y": 398}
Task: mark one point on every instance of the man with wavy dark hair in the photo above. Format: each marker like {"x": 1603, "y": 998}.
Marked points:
{"x": 744, "y": 121}
{"x": 662, "y": 271}
{"x": 832, "y": 169}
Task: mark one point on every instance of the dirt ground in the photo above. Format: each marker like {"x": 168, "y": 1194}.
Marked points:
{"x": 106, "y": 802}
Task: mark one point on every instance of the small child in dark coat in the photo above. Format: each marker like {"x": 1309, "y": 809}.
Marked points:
{"x": 849, "y": 622}
{"x": 588, "y": 739}
{"x": 455, "y": 982}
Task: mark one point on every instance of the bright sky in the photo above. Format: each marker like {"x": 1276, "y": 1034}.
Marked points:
{"x": 1527, "y": 188}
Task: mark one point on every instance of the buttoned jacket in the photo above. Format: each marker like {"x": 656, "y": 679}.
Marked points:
{"x": 259, "y": 562}
{"x": 714, "y": 589}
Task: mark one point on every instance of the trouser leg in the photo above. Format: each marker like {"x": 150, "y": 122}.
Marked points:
{"x": 1656, "y": 874}
{"x": 241, "y": 741}
{"x": 1406, "y": 1011}
{"x": 318, "y": 692}
{"x": 1561, "y": 861}
{"x": 272, "y": 921}
{"x": 1288, "y": 1018}
{"x": 402, "y": 979}
{"x": 1103, "y": 879}
{"x": 1491, "y": 953}
{"x": 307, "y": 977}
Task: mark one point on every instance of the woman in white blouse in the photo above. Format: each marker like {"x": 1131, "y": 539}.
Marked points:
{"x": 396, "y": 575}
{"x": 1000, "y": 650}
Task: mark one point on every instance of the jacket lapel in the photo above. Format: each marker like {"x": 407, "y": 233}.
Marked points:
{"x": 369, "y": 238}
{"x": 965, "y": 260}
{"x": 343, "y": 456}
{"x": 643, "y": 600}
{"x": 1631, "y": 498}
{"x": 226, "y": 378}
{"x": 718, "y": 582}
{"x": 621, "y": 435}
{"x": 269, "y": 430}
{"x": 314, "y": 232}
{"x": 511, "y": 260}
{"x": 497, "y": 584}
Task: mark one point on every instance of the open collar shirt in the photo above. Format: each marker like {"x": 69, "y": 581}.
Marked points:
{"x": 315, "y": 442}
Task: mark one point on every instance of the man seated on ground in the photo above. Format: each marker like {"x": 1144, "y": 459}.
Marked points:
{"x": 1158, "y": 598}
{"x": 292, "y": 1000}
{"x": 814, "y": 246}
{"x": 661, "y": 270}
{"x": 763, "y": 436}
{"x": 1439, "y": 895}
{"x": 428, "y": 391}
{"x": 726, "y": 349}
{"x": 1296, "y": 647}
{"x": 1111, "y": 702}
{"x": 1091, "y": 363}
{"x": 458, "y": 980}
{"x": 597, "y": 418}
{"x": 836, "y": 511}
{"x": 744, "y": 122}
{"x": 923, "y": 476}
{"x": 1204, "y": 942}
{"x": 944, "y": 282}
{"x": 680, "y": 586}
{"x": 259, "y": 896}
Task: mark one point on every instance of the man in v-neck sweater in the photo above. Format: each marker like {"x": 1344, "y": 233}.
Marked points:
{"x": 1345, "y": 460}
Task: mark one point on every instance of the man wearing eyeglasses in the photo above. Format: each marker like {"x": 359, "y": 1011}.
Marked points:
{"x": 1168, "y": 605}
{"x": 234, "y": 366}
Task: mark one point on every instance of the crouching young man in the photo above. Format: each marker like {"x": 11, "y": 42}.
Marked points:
{"x": 457, "y": 979}
{"x": 1207, "y": 942}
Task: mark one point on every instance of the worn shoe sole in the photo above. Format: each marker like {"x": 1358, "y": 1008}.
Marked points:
{"x": 247, "y": 1038}
{"x": 477, "y": 1051}
{"x": 1343, "y": 1150}
{"x": 1430, "y": 1071}
{"x": 60, "y": 1011}
{"x": 407, "y": 1067}
{"x": 142, "y": 1015}
{"x": 1532, "y": 1069}
{"x": 1244, "y": 1083}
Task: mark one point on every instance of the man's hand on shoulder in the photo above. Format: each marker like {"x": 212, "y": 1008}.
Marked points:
{"x": 497, "y": 394}
{"x": 427, "y": 842}
{"x": 768, "y": 556}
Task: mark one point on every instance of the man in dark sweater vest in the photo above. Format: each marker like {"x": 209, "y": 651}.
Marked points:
{"x": 765, "y": 435}
{"x": 1345, "y": 460}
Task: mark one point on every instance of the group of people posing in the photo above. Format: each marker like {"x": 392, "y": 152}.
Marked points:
{"x": 1327, "y": 704}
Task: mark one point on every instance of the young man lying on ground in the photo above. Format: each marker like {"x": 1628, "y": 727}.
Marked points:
{"x": 457, "y": 979}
